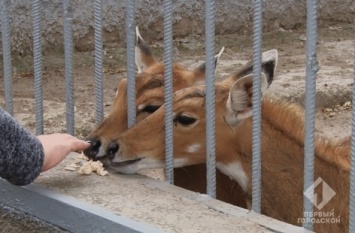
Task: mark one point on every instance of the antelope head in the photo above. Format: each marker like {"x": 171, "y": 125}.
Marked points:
{"x": 149, "y": 97}
{"x": 142, "y": 146}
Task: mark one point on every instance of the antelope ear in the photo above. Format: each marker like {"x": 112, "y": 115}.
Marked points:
{"x": 200, "y": 72}
{"x": 269, "y": 61}
{"x": 143, "y": 55}
{"x": 239, "y": 104}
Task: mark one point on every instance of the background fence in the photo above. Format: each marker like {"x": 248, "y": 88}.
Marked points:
{"x": 210, "y": 15}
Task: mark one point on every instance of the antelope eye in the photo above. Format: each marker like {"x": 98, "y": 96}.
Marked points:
{"x": 184, "y": 120}
{"x": 150, "y": 108}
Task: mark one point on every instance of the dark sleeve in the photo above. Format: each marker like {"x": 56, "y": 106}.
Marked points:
{"x": 21, "y": 153}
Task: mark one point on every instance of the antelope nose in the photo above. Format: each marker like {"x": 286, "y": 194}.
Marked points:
{"x": 93, "y": 149}
{"x": 112, "y": 149}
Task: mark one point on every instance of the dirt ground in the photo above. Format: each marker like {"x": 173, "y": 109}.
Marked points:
{"x": 334, "y": 80}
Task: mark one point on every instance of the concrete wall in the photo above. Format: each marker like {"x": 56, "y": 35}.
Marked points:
{"x": 232, "y": 16}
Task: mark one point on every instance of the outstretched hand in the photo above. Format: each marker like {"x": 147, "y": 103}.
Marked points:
{"x": 57, "y": 146}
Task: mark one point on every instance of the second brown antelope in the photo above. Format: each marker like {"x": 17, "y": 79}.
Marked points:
{"x": 282, "y": 149}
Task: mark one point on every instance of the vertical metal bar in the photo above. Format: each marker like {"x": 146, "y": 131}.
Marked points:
{"x": 311, "y": 72}
{"x": 256, "y": 130}
{"x": 210, "y": 97}
{"x": 168, "y": 89}
{"x": 6, "y": 49}
{"x": 131, "y": 82}
{"x": 352, "y": 170}
{"x": 98, "y": 61}
{"x": 68, "y": 51}
{"x": 37, "y": 62}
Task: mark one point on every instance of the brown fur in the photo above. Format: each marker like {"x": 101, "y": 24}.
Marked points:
{"x": 284, "y": 122}
{"x": 282, "y": 153}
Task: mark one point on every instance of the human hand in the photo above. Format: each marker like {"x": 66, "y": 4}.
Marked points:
{"x": 57, "y": 146}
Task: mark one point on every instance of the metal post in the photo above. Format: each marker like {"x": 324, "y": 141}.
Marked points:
{"x": 311, "y": 73}
{"x": 6, "y": 48}
{"x": 168, "y": 90}
{"x": 37, "y": 63}
{"x": 210, "y": 97}
{"x": 131, "y": 76}
{"x": 352, "y": 170}
{"x": 256, "y": 130}
{"x": 68, "y": 50}
{"x": 98, "y": 61}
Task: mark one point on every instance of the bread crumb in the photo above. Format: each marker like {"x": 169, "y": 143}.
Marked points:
{"x": 93, "y": 166}
{"x": 101, "y": 172}
{"x": 71, "y": 167}
{"x": 86, "y": 166}
{"x": 85, "y": 169}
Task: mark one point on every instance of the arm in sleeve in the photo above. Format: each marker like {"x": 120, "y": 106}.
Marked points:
{"x": 21, "y": 153}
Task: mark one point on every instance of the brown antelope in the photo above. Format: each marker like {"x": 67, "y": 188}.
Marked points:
{"x": 150, "y": 96}
{"x": 282, "y": 149}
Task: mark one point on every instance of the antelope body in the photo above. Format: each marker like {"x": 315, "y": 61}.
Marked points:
{"x": 282, "y": 149}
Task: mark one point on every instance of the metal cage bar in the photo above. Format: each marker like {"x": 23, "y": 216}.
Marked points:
{"x": 98, "y": 61}
{"x": 210, "y": 12}
{"x": 168, "y": 90}
{"x": 68, "y": 50}
{"x": 352, "y": 169}
{"x": 6, "y": 49}
{"x": 310, "y": 99}
{"x": 131, "y": 77}
{"x": 37, "y": 63}
{"x": 256, "y": 130}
